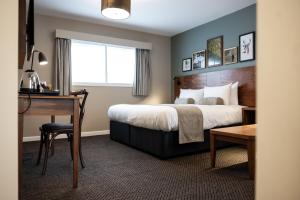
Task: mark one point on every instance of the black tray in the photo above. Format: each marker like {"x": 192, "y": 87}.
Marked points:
{"x": 45, "y": 93}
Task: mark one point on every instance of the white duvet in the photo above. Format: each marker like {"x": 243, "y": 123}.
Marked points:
{"x": 164, "y": 117}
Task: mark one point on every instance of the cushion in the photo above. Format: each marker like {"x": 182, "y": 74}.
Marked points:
{"x": 212, "y": 101}
{"x": 234, "y": 100}
{"x": 52, "y": 127}
{"x": 196, "y": 94}
{"x": 219, "y": 91}
{"x": 184, "y": 101}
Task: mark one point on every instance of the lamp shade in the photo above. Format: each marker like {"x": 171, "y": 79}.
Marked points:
{"x": 42, "y": 59}
{"x": 116, "y": 9}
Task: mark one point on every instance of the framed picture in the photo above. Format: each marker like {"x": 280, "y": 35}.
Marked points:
{"x": 187, "y": 64}
{"x": 247, "y": 46}
{"x": 230, "y": 55}
{"x": 215, "y": 51}
{"x": 199, "y": 59}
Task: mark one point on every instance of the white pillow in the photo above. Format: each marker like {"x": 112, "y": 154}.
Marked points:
{"x": 196, "y": 94}
{"x": 219, "y": 91}
{"x": 184, "y": 101}
{"x": 234, "y": 100}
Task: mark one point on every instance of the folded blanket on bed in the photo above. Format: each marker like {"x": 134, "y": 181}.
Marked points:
{"x": 190, "y": 123}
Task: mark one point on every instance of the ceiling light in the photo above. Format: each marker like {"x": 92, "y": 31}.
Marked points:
{"x": 115, "y": 9}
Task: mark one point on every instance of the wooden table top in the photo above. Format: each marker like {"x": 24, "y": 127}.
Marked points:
{"x": 245, "y": 132}
{"x": 48, "y": 97}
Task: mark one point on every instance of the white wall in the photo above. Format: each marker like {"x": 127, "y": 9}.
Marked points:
{"x": 100, "y": 98}
{"x": 278, "y": 79}
{"x": 8, "y": 100}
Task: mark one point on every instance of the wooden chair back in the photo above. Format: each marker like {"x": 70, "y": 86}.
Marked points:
{"x": 84, "y": 94}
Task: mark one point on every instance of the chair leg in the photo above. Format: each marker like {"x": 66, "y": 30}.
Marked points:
{"x": 80, "y": 152}
{"x": 52, "y": 148}
{"x": 47, "y": 146}
{"x": 41, "y": 148}
{"x": 51, "y": 144}
{"x": 71, "y": 147}
{"x": 80, "y": 155}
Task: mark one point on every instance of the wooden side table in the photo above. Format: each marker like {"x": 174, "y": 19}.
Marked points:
{"x": 238, "y": 134}
{"x": 248, "y": 114}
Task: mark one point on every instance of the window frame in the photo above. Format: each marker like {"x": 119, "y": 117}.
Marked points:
{"x": 106, "y": 84}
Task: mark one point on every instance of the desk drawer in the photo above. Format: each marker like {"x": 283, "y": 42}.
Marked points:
{"x": 47, "y": 106}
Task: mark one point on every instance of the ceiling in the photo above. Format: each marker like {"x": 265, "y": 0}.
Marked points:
{"x": 163, "y": 17}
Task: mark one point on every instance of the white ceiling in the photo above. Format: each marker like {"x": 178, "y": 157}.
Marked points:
{"x": 164, "y": 17}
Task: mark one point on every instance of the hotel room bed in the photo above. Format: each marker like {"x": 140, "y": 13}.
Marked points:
{"x": 154, "y": 128}
{"x": 158, "y": 133}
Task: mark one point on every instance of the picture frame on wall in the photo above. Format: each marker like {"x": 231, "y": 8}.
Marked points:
{"x": 186, "y": 64}
{"x": 230, "y": 55}
{"x": 215, "y": 51}
{"x": 199, "y": 59}
{"x": 247, "y": 46}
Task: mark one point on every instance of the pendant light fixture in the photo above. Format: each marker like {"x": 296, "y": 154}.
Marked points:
{"x": 115, "y": 9}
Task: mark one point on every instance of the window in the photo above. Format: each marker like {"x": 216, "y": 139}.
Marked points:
{"x": 120, "y": 64}
{"x": 102, "y": 64}
{"x": 88, "y": 62}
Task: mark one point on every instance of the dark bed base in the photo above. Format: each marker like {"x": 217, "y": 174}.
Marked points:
{"x": 158, "y": 143}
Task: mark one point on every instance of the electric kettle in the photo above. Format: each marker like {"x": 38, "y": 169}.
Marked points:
{"x": 30, "y": 82}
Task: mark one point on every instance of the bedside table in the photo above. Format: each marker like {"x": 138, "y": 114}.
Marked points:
{"x": 248, "y": 114}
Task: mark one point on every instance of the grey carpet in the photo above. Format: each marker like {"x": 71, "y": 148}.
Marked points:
{"x": 116, "y": 171}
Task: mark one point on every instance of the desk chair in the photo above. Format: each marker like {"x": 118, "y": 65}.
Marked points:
{"x": 50, "y": 130}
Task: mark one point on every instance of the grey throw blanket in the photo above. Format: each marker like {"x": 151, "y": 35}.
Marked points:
{"x": 190, "y": 123}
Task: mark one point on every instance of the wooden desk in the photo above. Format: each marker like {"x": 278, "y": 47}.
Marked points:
{"x": 238, "y": 134}
{"x": 50, "y": 105}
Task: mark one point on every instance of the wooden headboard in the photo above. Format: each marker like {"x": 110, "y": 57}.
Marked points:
{"x": 246, "y": 77}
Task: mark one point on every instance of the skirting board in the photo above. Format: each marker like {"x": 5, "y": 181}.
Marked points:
{"x": 63, "y": 136}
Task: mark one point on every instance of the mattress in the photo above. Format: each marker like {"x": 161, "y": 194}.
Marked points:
{"x": 164, "y": 117}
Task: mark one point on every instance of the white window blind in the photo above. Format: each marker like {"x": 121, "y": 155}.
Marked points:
{"x": 96, "y": 64}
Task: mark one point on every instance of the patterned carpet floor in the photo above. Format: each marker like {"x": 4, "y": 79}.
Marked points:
{"x": 115, "y": 171}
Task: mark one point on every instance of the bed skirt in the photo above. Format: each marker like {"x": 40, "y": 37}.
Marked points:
{"x": 161, "y": 144}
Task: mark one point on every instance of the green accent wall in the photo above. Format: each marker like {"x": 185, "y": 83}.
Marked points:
{"x": 230, "y": 26}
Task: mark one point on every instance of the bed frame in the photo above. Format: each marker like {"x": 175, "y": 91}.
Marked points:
{"x": 166, "y": 144}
